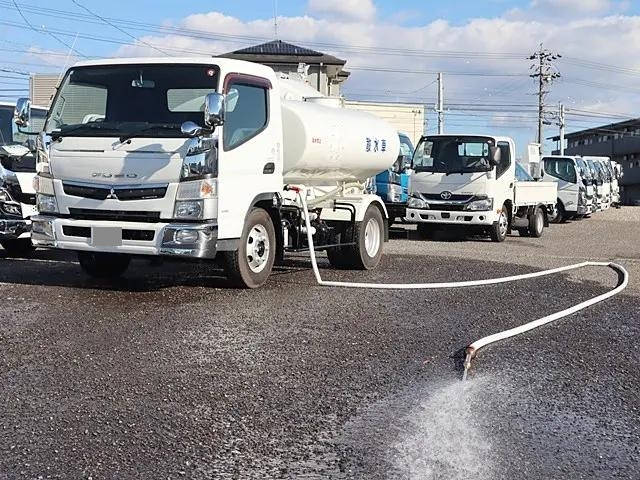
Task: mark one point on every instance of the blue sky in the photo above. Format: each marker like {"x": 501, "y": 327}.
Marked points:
{"x": 598, "y": 38}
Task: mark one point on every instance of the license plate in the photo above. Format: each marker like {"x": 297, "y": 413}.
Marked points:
{"x": 106, "y": 236}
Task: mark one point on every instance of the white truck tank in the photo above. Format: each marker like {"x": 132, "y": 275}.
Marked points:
{"x": 324, "y": 145}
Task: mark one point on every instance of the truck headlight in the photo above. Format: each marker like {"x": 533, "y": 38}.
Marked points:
{"x": 5, "y": 196}
{"x": 480, "y": 205}
{"x": 46, "y": 203}
{"x": 417, "y": 202}
{"x": 195, "y": 190}
{"x": 189, "y": 210}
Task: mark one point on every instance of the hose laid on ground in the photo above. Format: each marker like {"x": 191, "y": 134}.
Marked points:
{"x": 473, "y": 348}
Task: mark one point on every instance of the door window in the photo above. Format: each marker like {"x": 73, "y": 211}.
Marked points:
{"x": 505, "y": 158}
{"x": 246, "y": 115}
{"x": 561, "y": 168}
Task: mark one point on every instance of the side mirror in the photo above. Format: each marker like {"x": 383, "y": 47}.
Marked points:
{"x": 22, "y": 113}
{"x": 214, "y": 110}
{"x": 191, "y": 129}
{"x": 494, "y": 156}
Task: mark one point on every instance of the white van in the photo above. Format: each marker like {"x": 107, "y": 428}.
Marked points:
{"x": 574, "y": 199}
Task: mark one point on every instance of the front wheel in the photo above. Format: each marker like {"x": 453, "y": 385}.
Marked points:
{"x": 559, "y": 215}
{"x": 498, "y": 230}
{"x": 103, "y": 265}
{"x": 251, "y": 264}
{"x": 20, "y": 247}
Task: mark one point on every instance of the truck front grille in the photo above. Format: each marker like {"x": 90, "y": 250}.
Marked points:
{"x": 453, "y": 197}
{"x": 102, "y": 192}
{"x": 127, "y": 234}
{"x": 115, "y": 215}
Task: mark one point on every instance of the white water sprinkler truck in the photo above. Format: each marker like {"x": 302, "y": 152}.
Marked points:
{"x": 473, "y": 182}
{"x": 205, "y": 158}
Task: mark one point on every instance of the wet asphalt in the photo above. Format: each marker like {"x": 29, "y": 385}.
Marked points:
{"x": 168, "y": 373}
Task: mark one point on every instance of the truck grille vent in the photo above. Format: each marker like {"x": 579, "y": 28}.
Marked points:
{"x": 115, "y": 215}
{"x": 127, "y": 234}
{"x": 453, "y": 198}
{"x": 123, "y": 194}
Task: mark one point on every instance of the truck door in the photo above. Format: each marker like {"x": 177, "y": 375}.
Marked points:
{"x": 250, "y": 165}
{"x": 564, "y": 173}
{"x": 505, "y": 176}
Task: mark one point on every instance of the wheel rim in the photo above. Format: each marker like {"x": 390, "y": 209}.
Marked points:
{"x": 257, "y": 248}
{"x": 503, "y": 224}
{"x": 539, "y": 222}
{"x": 372, "y": 237}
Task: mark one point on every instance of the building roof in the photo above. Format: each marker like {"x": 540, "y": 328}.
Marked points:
{"x": 609, "y": 128}
{"x": 281, "y": 52}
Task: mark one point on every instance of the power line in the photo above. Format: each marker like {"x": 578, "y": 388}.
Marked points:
{"x": 75, "y": 2}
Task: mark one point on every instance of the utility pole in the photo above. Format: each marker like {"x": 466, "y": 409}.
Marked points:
{"x": 561, "y": 125}
{"x": 440, "y": 107}
{"x": 544, "y": 73}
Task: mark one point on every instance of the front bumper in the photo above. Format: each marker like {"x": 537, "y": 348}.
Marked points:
{"x": 195, "y": 240}
{"x": 485, "y": 218}
{"x": 12, "y": 229}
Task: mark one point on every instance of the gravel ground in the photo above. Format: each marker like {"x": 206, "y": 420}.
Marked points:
{"x": 168, "y": 374}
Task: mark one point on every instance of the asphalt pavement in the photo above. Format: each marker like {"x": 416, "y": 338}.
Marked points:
{"x": 168, "y": 373}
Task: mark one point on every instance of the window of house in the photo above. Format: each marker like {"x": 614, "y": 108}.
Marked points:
{"x": 247, "y": 113}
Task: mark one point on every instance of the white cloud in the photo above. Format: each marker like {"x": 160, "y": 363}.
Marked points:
{"x": 606, "y": 39}
{"x": 361, "y": 10}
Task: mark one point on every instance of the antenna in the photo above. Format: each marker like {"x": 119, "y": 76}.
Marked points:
{"x": 66, "y": 60}
{"x": 275, "y": 18}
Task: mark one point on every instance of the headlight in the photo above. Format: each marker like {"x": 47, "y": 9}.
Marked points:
{"x": 191, "y": 210}
{"x": 43, "y": 185}
{"x": 195, "y": 190}
{"x": 46, "y": 203}
{"x": 416, "y": 202}
{"x": 4, "y": 196}
{"x": 201, "y": 159}
{"x": 480, "y": 205}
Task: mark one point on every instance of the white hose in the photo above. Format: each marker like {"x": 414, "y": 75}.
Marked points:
{"x": 472, "y": 349}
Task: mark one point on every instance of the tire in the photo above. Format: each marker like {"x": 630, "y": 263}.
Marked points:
{"x": 368, "y": 239}
{"x": 20, "y": 247}
{"x": 536, "y": 223}
{"x": 103, "y": 265}
{"x": 560, "y": 215}
{"x": 498, "y": 231}
{"x": 251, "y": 265}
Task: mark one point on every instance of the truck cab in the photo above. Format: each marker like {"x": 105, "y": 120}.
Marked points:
{"x": 470, "y": 181}
{"x": 17, "y": 170}
{"x": 615, "y": 169}
{"x": 574, "y": 199}
{"x": 392, "y": 185}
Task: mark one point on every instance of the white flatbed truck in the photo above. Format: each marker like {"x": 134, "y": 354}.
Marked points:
{"x": 205, "y": 158}
{"x": 473, "y": 181}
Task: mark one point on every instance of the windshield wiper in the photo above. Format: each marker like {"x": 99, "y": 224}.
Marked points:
{"x": 153, "y": 126}
{"x": 63, "y": 132}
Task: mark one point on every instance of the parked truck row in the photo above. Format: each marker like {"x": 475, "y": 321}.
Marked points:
{"x": 206, "y": 159}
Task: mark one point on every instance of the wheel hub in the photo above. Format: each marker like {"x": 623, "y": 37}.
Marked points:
{"x": 372, "y": 237}
{"x": 257, "y": 248}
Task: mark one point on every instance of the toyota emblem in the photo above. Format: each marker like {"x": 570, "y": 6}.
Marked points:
{"x": 445, "y": 195}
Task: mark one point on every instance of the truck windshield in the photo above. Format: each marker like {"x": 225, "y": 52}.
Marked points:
{"x": 595, "y": 173}
{"x": 452, "y": 154}
{"x": 585, "y": 172}
{"x": 147, "y": 100}
{"x": 9, "y": 133}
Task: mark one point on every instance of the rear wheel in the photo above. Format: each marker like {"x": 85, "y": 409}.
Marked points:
{"x": 20, "y": 247}
{"x": 498, "y": 230}
{"x": 103, "y": 265}
{"x": 368, "y": 238}
{"x": 251, "y": 265}
{"x": 536, "y": 223}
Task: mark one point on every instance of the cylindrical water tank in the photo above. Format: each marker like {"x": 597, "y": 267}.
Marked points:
{"x": 324, "y": 145}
